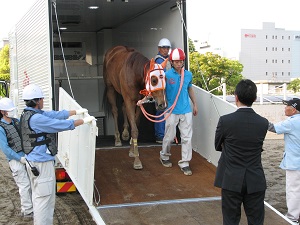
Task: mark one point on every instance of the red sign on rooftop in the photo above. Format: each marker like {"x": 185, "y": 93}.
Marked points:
{"x": 250, "y": 35}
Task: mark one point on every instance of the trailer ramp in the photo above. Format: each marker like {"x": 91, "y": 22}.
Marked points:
{"x": 159, "y": 195}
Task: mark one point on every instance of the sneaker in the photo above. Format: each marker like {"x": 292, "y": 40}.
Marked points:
{"x": 30, "y": 215}
{"x": 159, "y": 140}
{"x": 186, "y": 170}
{"x": 165, "y": 163}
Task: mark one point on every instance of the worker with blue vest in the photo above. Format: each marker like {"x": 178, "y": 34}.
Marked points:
{"x": 38, "y": 129}
{"x": 11, "y": 146}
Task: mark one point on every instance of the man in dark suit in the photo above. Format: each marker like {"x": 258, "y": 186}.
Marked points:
{"x": 239, "y": 136}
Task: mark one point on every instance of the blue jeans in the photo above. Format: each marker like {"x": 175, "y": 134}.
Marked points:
{"x": 159, "y": 127}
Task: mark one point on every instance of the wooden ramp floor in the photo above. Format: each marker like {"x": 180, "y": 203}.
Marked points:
{"x": 159, "y": 195}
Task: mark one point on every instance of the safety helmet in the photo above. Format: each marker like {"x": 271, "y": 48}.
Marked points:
{"x": 6, "y": 104}
{"x": 32, "y": 91}
{"x": 177, "y": 54}
{"x": 164, "y": 42}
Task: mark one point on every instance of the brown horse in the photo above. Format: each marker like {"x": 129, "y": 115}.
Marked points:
{"x": 125, "y": 72}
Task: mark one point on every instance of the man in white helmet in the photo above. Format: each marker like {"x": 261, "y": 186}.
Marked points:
{"x": 11, "y": 146}
{"x": 38, "y": 129}
{"x": 182, "y": 112}
{"x": 164, "y": 46}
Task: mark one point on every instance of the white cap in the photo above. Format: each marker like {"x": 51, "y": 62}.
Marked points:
{"x": 164, "y": 42}
{"x": 32, "y": 91}
{"x": 6, "y": 104}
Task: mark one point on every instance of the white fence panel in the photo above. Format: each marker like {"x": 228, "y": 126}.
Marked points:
{"x": 76, "y": 150}
{"x": 210, "y": 109}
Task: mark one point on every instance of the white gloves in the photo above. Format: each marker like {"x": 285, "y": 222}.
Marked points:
{"x": 88, "y": 119}
{"x": 23, "y": 160}
{"x": 81, "y": 111}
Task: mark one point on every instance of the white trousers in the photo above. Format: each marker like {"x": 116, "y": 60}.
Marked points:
{"x": 293, "y": 194}
{"x": 43, "y": 192}
{"x": 21, "y": 178}
{"x": 184, "y": 122}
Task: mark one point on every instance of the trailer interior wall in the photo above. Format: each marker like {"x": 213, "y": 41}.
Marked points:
{"x": 141, "y": 32}
{"x": 210, "y": 109}
{"x": 144, "y": 31}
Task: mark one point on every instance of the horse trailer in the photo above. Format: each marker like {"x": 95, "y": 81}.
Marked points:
{"x": 60, "y": 45}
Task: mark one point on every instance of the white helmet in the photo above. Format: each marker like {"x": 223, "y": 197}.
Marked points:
{"x": 164, "y": 42}
{"x": 32, "y": 91}
{"x": 6, "y": 104}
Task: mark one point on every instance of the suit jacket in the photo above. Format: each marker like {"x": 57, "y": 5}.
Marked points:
{"x": 239, "y": 136}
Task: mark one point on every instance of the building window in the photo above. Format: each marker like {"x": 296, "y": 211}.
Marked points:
{"x": 289, "y": 38}
{"x": 272, "y": 60}
{"x": 282, "y": 73}
{"x": 272, "y": 49}
{"x": 276, "y": 37}
{"x": 289, "y": 73}
{"x": 282, "y": 49}
{"x": 266, "y": 73}
{"x": 282, "y": 61}
{"x": 266, "y": 61}
{"x": 266, "y": 36}
{"x": 289, "y": 49}
{"x": 275, "y": 60}
{"x": 276, "y": 49}
{"x": 266, "y": 48}
{"x": 272, "y": 36}
{"x": 289, "y": 61}
{"x": 282, "y": 37}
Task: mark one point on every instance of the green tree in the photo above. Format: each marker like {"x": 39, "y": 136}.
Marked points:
{"x": 191, "y": 46}
{"x": 294, "y": 85}
{"x": 4, "y": 63}
{"x": 211, "y": 70}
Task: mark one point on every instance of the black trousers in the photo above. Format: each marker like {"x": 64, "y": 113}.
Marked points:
{"x": 253, "y": 206}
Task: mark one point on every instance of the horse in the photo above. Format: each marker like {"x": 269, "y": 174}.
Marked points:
{"x": 126, "y": 73}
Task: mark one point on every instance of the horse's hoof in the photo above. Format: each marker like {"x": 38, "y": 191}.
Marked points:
{"x": 125, "y": 136}
{"x": 131, "y": 154}
{"x": 137, "y": 165}
{"x": 118, "y": 144}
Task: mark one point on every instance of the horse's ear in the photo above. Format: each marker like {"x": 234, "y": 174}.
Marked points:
{"x": 164, "y": 63}
{"x": 152, "y": 62}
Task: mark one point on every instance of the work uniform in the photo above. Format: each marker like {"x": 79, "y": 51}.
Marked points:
{"x": 181, "y": 115}
{"x": 9, "y": 136}
{"x": 291, "y": 163}
{"x": 43, "y": 185}
{"x": 160, "y": 127}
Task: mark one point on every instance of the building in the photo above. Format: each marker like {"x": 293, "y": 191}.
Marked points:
{"x": 270, "y": 55}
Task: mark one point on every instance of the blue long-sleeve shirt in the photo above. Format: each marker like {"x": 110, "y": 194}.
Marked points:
{"x": 8, "y": 152}
{"x": 291, "y": 130}
{"x": 47, "y": 122}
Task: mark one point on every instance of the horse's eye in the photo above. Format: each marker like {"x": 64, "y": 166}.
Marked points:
{"x": 154, "y": 81}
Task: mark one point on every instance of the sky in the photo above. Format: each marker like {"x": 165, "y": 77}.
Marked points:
{"x": 222, "y": 20}
{"x": 11, "y": 11}
{"x": 217, "y": 20}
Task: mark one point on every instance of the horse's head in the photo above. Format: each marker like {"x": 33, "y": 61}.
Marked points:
{"x": 156, "y": 84}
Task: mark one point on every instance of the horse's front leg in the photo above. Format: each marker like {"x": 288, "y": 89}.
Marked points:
{"x": 134, "y": 151}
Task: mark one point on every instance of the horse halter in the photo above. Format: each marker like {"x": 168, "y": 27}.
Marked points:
{"x": 154, "y": 80}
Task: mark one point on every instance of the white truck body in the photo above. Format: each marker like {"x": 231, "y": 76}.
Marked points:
{"x": 36, "y": 57}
